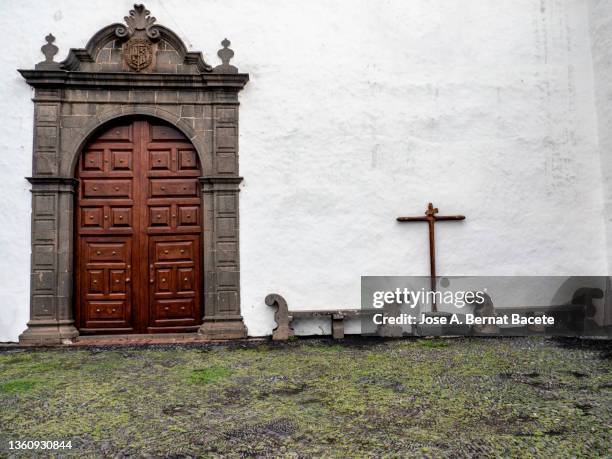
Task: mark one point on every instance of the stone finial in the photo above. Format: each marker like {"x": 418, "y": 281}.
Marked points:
{"x": 139, "y": 23}
{"x": 49, "y": 50}
{"x": 225, "y": 54}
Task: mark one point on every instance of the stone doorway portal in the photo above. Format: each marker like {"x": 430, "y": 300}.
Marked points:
{"x": 138, "y": 69}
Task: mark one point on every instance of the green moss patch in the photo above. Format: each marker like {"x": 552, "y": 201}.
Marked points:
{"x": 209, "y": 375}
{"x": 17, "y": 386}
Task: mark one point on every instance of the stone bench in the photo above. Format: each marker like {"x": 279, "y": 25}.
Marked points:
{"x": 284, "y": 317}
{"x": 570, "y": 315}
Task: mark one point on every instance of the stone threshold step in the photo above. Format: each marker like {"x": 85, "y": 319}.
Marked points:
{"x": 136, "y": 340}
{"x": 156, "y": 338}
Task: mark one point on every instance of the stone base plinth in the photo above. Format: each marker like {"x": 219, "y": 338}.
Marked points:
{"x": 223, "y": 329}
{"x": 46, "y": 334}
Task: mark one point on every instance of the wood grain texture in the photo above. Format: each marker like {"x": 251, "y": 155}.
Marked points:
{"x": 139, "y": 227}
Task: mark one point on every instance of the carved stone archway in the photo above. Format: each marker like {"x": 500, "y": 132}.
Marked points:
{"x": 137, "y": 68}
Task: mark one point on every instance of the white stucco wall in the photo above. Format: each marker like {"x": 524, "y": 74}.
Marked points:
{"x": 358, "y": 112}
{"x": 601, "y": 45}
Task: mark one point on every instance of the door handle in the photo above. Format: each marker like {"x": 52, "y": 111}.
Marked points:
{"x": 128, "y": 274}
{"x": 151, "y": 274}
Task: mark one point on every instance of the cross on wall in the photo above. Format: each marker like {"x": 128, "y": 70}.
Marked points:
{"x": 431, "y": 218}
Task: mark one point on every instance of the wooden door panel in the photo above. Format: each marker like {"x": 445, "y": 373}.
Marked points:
{"x": 107, "y": 251}
{"x": 185, "y": 280}
{"x": 138, "y": 211}
{"x": 187, "y": 160}
{"x": 117, "y": 279}
{"x": 95, "y": 282}
{"x": 104, "y": 259}
{"x": 118, "y": 133}
{"x": 161, "y": 188}
{"x": 121, "y": 217}
{"x": 162, "y": 132}
{"x": 160, "y": 160}
{"x": 179, "y": 190}
{"x": 98, "y": 220}
{"x": 173, "y": 281}
{"x": 163, "y": 278}
{"x": 159, "y": 217}
{"x": 179, "y": 160}
{"x": 105, "y": 293}
{"x": 188, "y": 216}
{"x": 173, "y": 311}
{"x": 107, "y": 161}
{"x": 92, "y": 217}
{"x": 174, "y": 251}
{"x": 93, "y": 161}
{"x": 120, "y": 160}
{"x": 93, "y": 188}
{"x": 108, "y": 313}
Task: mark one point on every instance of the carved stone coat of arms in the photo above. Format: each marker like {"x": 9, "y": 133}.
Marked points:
{"x": 138, "y": 53}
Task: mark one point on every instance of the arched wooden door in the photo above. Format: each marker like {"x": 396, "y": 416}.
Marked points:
{"x": 138, "y": 232}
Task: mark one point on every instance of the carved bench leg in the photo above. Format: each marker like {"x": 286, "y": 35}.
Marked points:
{"x": 337, "y": 326}
{"x": 283, "y": 329}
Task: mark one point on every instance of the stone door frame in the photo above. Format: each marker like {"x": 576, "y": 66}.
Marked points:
{"x": 75, "y": 99}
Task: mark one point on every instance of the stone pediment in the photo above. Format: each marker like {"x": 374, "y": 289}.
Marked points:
{"x": 139, "y": 45}
{"x": 139, "y": 51}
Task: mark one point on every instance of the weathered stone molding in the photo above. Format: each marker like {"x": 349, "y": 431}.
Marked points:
{"x": 92, "y": 87}
{"x": 79, "y": 80}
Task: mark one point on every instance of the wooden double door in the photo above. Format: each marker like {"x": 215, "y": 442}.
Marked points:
{"x": 138, "y": 232}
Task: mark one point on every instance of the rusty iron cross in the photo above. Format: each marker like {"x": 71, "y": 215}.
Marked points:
{"x": 431, "y": 218}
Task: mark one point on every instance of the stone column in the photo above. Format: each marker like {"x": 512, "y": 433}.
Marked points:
{"x": 51, "y": 316}
{"x": 222, "y": 319}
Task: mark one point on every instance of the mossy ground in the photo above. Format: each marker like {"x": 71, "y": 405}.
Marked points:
{"x": 314, "y": 398}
